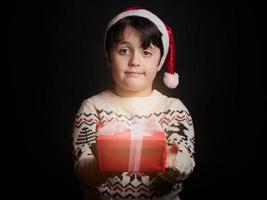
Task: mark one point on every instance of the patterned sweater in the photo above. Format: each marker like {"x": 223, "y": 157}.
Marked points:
{"x": 105, "y": 107}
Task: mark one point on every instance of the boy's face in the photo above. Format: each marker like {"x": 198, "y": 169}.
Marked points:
{"x": 133, "y": 68}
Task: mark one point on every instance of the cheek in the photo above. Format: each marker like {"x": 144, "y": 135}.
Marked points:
{"x": 156, "y": 68}
{"x": 118, "y": 62}
{"x": 117, "y": 68}
{"x": 151, "y": 74}
{"x": 156, "y": 61}
{"x": 115, "y": 71}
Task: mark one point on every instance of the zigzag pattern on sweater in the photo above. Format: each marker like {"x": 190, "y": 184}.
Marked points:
{"x": 141, "y": 191}
{"x": 180, "y": 115}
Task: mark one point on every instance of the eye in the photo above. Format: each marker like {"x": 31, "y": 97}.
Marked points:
{"x": 124, "y": 51}
{"x": 147, "y": 53}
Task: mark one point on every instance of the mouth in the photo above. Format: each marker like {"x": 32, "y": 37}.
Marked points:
{"x": 134, "y": 73}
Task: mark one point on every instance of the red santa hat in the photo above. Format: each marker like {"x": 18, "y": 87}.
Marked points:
{"x": 171, "y": 78}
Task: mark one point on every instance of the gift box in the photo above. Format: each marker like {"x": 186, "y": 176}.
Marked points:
{"x": 139, "y": 148}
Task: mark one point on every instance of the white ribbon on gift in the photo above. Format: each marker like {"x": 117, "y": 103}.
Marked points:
{"x": 137, "y": 131}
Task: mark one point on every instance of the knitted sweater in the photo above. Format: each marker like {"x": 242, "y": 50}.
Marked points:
{"x": 105, "y": 107}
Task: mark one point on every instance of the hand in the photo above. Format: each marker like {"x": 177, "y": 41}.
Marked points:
{"x": 170, "y": 174}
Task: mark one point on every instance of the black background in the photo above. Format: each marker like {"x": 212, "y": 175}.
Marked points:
{"x": 55, "y": 51}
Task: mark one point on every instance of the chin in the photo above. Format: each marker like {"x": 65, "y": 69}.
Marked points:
{"x": 135, "y": 84}
{"x": 132, "y": 86}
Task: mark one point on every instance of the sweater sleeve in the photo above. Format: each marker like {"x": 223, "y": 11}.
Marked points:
{"x": 83, "y": 137}
{"x": 180, "y": 132}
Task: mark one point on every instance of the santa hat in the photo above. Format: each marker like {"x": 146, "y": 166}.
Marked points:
{"x": 170, "y": 79}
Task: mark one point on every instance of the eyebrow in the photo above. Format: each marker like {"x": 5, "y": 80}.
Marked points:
{"x": 124, "y": 42}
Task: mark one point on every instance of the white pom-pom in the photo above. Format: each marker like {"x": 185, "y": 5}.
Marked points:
{"x": 171, "y": 80}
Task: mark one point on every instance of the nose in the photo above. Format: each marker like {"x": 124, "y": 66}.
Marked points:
{"x": 134, "y": 60}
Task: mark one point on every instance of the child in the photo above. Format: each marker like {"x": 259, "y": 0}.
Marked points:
{"x": 137, "y": 44}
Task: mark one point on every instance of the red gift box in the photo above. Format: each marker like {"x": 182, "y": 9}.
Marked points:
{"x": 123, "y": 151}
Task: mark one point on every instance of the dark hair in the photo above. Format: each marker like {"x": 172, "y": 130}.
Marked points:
{"x": 148, "y": 31}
